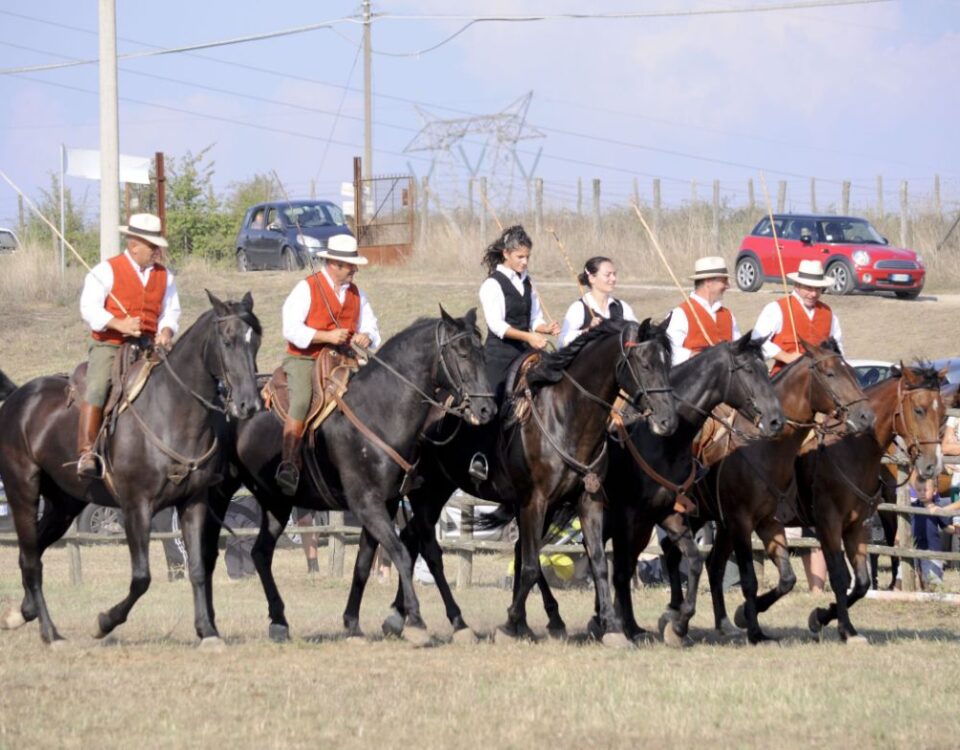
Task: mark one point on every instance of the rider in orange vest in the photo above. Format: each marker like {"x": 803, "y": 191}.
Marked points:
{"x": 325, "y": 309}
{"x": 130, "y": 296}
{"x": 814, "y": 321}
{"x": 702, "y": 320}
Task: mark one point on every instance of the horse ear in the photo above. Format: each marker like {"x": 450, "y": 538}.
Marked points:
{"x": 643, "y": 329}
{"x": 806, "y": 346}
{"x": 247, "y": 301}
{"x": 471, "y": 317}
{"x": 216, "y": 303}
{"x": 446, "y": 318}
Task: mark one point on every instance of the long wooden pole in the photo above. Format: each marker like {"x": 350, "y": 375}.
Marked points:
{"x": 776, "y": 244}
{"x": 576, "y": 277}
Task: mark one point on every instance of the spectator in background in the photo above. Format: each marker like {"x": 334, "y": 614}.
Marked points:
{"x": 927, "y": 530}
{"x": 307, "y": 517}
{"x": 951, "y": 447}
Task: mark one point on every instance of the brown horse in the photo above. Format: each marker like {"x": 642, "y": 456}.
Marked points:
{"x": 752, "y": 488}
{"x": 840, "y": 481}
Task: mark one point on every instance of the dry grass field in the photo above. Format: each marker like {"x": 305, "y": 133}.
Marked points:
{"x": 151, "y": 687}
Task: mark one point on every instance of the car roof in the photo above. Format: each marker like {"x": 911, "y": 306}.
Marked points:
{"x": 817, "y": 217}
{"x": 297, "y": 202}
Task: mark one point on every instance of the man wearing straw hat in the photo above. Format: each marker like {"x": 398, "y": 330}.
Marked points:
{"x": 128, "y": 297}
{"x": 326, "y": 309}
{"x": 702, "y": 320}
{"x": 799, "y": 316}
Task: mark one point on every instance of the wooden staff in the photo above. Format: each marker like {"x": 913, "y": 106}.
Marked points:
{"x": 66, "y": 244}
{"x": 776, "y": 244}
{"x": 576, "y": 277}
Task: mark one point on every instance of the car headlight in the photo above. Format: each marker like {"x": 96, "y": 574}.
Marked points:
{"x": 861, "y": 258}
{"x": 311, "y": 243}
{"x": 920, "y": 261}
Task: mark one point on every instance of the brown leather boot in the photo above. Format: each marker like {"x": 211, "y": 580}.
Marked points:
{"x": 91, "y": 417}
{"x": 288, "y": 472}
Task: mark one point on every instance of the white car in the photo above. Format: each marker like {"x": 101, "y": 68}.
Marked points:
{"x": 8, "y": 240}
{"x": 870, "y": 371}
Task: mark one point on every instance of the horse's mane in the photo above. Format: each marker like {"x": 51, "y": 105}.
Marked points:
{"x": 399, "y": 338}
{"x": 550, "y": 368}
{"x": 829, "y": 344}
{"x": 236, "y": 308}
{"x": 929, "y": 377}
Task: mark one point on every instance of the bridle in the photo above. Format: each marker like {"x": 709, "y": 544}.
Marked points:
{"x": 913, "y": 442}
{"x": 452, "y": 373}
{"x": 841, "y": 409}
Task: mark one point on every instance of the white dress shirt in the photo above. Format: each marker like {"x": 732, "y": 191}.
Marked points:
{"x": 494, "y": 305}
{"x": 99, "y": 283}
{"x": 678, "y": 328}
{"x": 297, "y": 306}
{"x": 770, "y": 323}
{"x": 573, "y": 320}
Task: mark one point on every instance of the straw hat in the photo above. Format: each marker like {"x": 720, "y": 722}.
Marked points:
{"x": 147, "y": 227}
{"x": 711, "y": 267}
{"x": 342, "y": 247}
{"x": 810, "y": 273}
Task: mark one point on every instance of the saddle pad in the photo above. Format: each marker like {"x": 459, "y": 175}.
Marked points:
{"x": 331, "y": 375}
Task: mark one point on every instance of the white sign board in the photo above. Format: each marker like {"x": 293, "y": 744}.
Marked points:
{"x": 85, "y": 163}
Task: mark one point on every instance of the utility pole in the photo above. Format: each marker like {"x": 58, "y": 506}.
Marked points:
{"x": 367, "y": 96}
{"x": 109, "y": 133}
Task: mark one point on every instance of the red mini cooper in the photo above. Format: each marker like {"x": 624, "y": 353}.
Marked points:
{"x": 853, "y": 253}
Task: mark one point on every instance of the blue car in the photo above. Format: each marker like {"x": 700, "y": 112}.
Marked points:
{"x": 285, "y": 234}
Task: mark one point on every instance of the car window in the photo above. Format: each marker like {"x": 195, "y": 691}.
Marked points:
{"x": 7, "y": 241}
{"x": 857, "y": 231}
{"x": 272, "y": 216}
{"x": 763, "y": 228}
{"x": 257, "y": 221}
{"x": 795, "y": 229}
{"x": 314, "y": 215}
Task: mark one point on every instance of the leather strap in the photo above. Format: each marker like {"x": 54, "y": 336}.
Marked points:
{"x": 683, "y": 502}
{"x": 370, "y": 435}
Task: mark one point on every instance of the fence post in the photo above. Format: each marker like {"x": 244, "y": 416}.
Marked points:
{"x": 579, "y": 197}
{"x": 483, "y": 210}
{"x": 845, "y": 198}
{"x": 424, "y": 209}
{"x": 336, "y": 544}
{"x": 905, "y": 534}
{"x": 596, "y": 209}
{"x": 73, "y": 553}
{"x": 904, "y": 218}
{"x": 693, "y": 193}
{"x": 937, "y": 207}
{"x": 538, "y": 205}
{"x": 465, "y": 556}
{"x": 657, "y": 205}
{"x": 880, "y": 196}
{"x": 636, "y": 192}
{"x": 781, "y": 196}
{"x": 716, "y": 216}
{"x": 751, "y": 198}
{"x": 470, "y": 199}
{"x": 813, "y": 195}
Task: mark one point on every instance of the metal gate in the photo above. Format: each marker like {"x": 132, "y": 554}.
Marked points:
{"x": 383, "y": 207}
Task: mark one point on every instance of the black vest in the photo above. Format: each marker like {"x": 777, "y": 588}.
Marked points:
{"x": 501, "y": 352}
{"x": 614, "y": 308}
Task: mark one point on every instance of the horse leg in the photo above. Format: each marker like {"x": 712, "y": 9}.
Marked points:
{"x": 856, "y": 545}
{"x": 591, "y": 522}
{"x": 774, "y": 541}
{"x": 831, "y": 543}
{"x": 192, "y": 521}
{"x": 556, "y": 627}
{"x": 137, "y": 527}
{"x": 276, "y": 513}
{"x": 843, "y": 600}
{"x": 433, "y": 555}
{"x": 681, "y": 536}
{"x": 219, "y": 501}
{"x": 366, "y": 551}
{"x": 526, "y": 566}
{"x": 628, "y": 542}
{"x": 748, "y": 585}
{"x": 716, "y": 569}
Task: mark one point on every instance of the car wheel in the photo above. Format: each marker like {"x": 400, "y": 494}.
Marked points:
{"x": 99, "y": 519}
{"x": 842, "y": 276}
{"x": 288, "y": 260}
{"x": 912, "y": 294}
{"x": 749, "y": 277}
{"x": 243, "y": 263}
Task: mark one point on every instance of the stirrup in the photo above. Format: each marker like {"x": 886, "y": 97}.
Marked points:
{"x": 288, "y": 477}
{"x": 90, "y": 465}
{"x": 479, "y": 468}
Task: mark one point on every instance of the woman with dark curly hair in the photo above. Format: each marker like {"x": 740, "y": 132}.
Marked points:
{"x": 599, "y": 277}
{"x": 511, "y": 306}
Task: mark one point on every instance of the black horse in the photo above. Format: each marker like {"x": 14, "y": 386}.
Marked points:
{"x": 543, "y": 461}
{"x": 7, "y": 386}
{"x": 167, "y": 449}
{"x": 393, "y": 396}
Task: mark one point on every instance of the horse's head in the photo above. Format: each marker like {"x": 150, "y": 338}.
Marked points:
{"x": 834, "y": 389}
{"x": 749, "y": 390}
{"x": 462, "y": 369}
{"x": 231, "y": 355}
{"x": 644, "y": 373}
{"x": 920, "y": 413}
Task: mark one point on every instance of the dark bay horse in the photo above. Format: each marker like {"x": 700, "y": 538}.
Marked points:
{"x": 840, "y": 481}
{"x": 753, "y": 487}
{"x": 7, "y": 386}
{"x": 345, "y": 469}
{"x": 542, "y": 461}
{"x": 168, "y": 448}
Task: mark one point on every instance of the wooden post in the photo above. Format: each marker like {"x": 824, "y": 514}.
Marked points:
{"x": 424, "y": 209}
{"x": 161, "y": 190}
{"x": 904, "y": 217}
{"x": 636, "y": 192}
{"x": 21, "y": 227}
{"x": 538, "y": 205}
{"x": 483, "y": 211}
{"x": 657, "y": 205}
{"x": 693, "y": 193}
{"x": 465, "y": 557}
{"x": 781, "y": 196}
{"x": 336, "y": 545}
{"x": 596, "y": 209}
{"x": 470, "y": 199}
{"x": 73, "y": 553}
{"x": 716, "y": 216}
{"x": 880, "y": 196}
{"x": 751, "y": 198}
{"x": 813, "y": 195}
{"x": 937, "y": 208}
{"x": 313, "y": 189}
{"x": 126, "y": 201}
{"x": 579, "y": 197}
{"x": 905, "y": 534}
{"x": 845, "y": 198}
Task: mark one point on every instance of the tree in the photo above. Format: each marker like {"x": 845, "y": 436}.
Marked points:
{"x": 196, "y": 223}
{"x": 82, "y": 237}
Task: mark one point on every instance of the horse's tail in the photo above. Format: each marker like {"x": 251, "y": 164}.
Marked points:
{"x": 499, "y": 518}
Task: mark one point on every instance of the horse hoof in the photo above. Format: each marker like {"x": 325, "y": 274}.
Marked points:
{"x": 616, "y": 640}
{"x": 557, "y": 634}
{"x": 212, "y": 644}
{"x": 99, "y": 629}
{"x": 740, "y": 618}
{"x": 279, "y": 633}
{"x": 465, "y": 637}
{"x": 12, "y": 619}
{"x": 816, "y": 629}
{"x": 58, "y": 644}
{"x": 728, "y": 629}
{"x": 856, "y": 640}
{"x": 595, "y": 629}
{"x": 417, "y": 637}
{"x": 501, "y": 635}
{"x": 356, "y": 639}
{"x": 666, "y": 620}
{"x": 764, "y": 640}
{"x": 643, "y": 638}
{"x": 393, "y": 625}
{"x": 671, "y": 638}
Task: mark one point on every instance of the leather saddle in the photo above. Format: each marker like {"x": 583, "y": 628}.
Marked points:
{"x": 515, "y": 390}
{"x": 131, "y": 369}
{"x": 713, "y": 442}
{"x": 331, "y": 376}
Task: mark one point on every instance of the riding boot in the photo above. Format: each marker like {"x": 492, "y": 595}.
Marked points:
{"x": 88, "y": 464}
{"x": 288, "y": 472}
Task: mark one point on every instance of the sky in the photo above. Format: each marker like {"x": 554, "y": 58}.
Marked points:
{"x": 833, "y": 93}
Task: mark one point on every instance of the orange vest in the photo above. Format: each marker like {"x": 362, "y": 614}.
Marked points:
{"x": 718, "y": 330}
{"x": 814, "y": 331}
{"x": 323, "y": 301}
{"x": 140, "y": 301}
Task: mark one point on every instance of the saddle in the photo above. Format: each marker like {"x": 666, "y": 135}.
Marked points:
{"x": 713, "y": 442}
{"x": 131, "y": 369}
{"x": 331, "y": 376}
{"x": 516, "y": 389}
